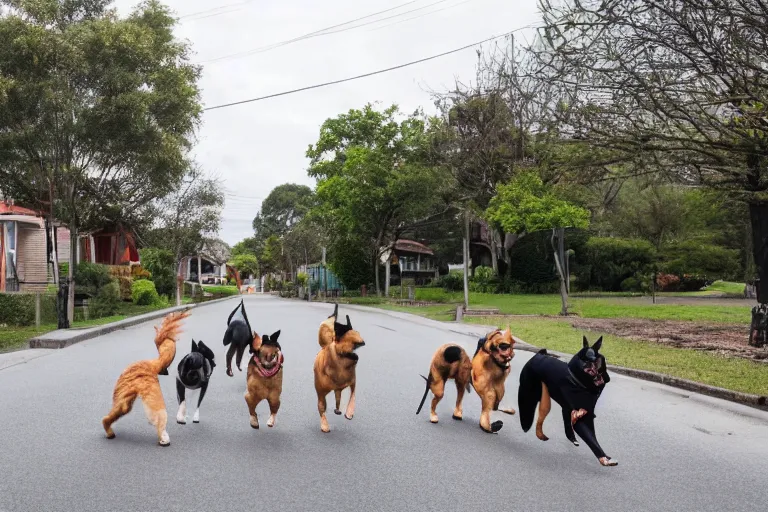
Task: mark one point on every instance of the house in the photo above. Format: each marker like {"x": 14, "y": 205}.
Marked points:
{"x": 111, "y": 245}
{"x": 23, "y": 249}
{"x": 212, "y": 260}
{"x": 409, "y": 259}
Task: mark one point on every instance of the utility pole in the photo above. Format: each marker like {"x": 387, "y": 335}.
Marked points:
{"x": 466, "y": 259}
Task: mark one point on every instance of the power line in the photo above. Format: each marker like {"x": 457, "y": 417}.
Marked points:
{"x": 325, "y": 84}
{"x": 325, "y": 31}
{"x": 418, "y": 16}
{"x": 214, "y": 9}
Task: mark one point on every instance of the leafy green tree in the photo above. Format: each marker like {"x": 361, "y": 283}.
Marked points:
{"x": 161, "y": 264}
{"x": 96, "y": 112}
{"x": 246, "y": 264}
{"x": 527, "y": 205}
{"x": 375, "y": 181}
{"x": 285, "y": 205}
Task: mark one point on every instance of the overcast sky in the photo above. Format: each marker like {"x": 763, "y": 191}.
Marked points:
{"x": 257, "y": 146}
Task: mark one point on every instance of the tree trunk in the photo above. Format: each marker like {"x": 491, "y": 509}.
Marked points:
{"x": 494, "y": 251}
{"x": 559, "y": 257}
{"x": 179, "y": 281}
{"x": 758, "y": 213}
{"x": 466, "y": 260}
{"x": 376, "y": 272}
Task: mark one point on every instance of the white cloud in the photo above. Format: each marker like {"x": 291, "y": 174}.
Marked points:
{"x": 257, "y": 146}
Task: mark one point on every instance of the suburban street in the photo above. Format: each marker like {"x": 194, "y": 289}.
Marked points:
{"x": 675, "y": 451}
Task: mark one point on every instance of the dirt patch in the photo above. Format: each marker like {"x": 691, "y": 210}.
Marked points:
{"x": 727, "y": 340}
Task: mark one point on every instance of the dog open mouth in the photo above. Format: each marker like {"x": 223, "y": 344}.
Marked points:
{"x": 592, "y": 370}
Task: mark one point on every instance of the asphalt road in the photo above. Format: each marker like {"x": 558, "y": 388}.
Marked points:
{"x": 675, "y": 451}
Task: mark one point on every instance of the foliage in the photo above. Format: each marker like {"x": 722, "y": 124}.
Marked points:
{"x": 160, "y": 263}
{"x": 302, "y": 278}
{"x": 144, "y": 293}
{"x": 693, "y": 257}
{"x": 374, "y": 182}
{"x": 350, "y": 261}
{"x": 526, "y": 205}
{"x": 285, "y": 205}
{"x": 451, "y": 282}
{"x": 245, "y": 264}
{"x": 19, "y": 308}
{"x": 107, "y": 302}
{"x": 612, "y": 260}
{"x": 90, "y": 278}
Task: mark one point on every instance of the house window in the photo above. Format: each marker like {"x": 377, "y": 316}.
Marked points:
{"x": 10, "y": 249}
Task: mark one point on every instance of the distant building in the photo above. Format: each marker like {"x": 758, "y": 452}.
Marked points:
{"x": 409, "y": 259}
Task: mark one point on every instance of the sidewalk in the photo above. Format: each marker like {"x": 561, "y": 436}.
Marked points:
{"x": 63, "y": 338}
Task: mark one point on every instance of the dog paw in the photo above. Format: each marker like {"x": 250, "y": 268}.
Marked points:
{"x": 575, "y": 443}
{"x": 165, "y": 440}
{"x": 457, "y": 417}
{"x": 349, "y": 417}
{"x": 542, "y": 436}
{"x": 607, "y": 461}
{"x": 181, "y": 422}
{"x": 196, "y": 417}
{"x": 325, "y": 429}
{"x": 496, "y": 426}
{"x": 229, "y": 372}
{"x": 509, "y": 410}
{"x": 337, "y": 412}
{"x": 111, "y": 435}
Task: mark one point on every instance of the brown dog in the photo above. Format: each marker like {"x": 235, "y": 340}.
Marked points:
{"x": 265, "y": 376}
{"x": 139, "y": 380}
{"x": 490, "y": 368}
{"x": 335, "y": 367}
{"x": 449, "y": 362}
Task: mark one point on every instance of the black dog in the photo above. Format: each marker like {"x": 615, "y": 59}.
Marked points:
{"x": 575, "y": 386}
{"x": 239, "y": 334}
{"x": 195, "y": 371}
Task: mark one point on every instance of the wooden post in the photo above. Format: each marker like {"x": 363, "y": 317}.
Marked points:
{"x": 386, "y": 278}
{"x": 37, "y": 310}
{"x": 466, "y": 260}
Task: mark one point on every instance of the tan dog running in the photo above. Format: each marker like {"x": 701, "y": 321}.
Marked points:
{"x": 490, "y": 368}
{"x": 335, "y": 366}
{"x": 265, "y": 376}
{"x": 139, "y": 380}
{"x": 449, "y": 362}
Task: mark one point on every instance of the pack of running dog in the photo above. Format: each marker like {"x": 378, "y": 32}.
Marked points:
{"x": 575, "y": 386}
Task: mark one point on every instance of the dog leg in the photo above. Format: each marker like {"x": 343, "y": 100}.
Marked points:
{"x": 230, "y": 355}
{"x": 203, "y": 389}
{"x": 351, "y": 405}
{"x": 252, "y": 402}
{"x": 569, "y": 434}
{"x": 585, "y": 427}
{"x": 337, "y": 394}
{"x": 274, "y": 405}
{"x": 458, "y": 414}
{"x": 485, "y": 416}
{"x": 154, "y": 407}
{"x": 545, "y": 405}
{"x": 321, "y": 405}
{"x": 181, "y": 415}
{"x": 122, "y": 406}
{"x": 438, "y": 389}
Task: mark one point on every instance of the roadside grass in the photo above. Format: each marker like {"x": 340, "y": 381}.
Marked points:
{"x": 558, "y": 335}
{"x": 221, "y": 289}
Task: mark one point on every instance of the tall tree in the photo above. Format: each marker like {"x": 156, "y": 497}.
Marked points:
{"x": 677, "y": 87}
{"x": 375, "y": 179}
{"x": 186, "y": 217}
{"x": 96, "y": 112}
{"x": 285, "y": 205}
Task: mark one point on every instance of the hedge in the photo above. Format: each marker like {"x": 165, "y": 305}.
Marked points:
{"x": 18, "y": 309}
{"x": 144, "y": 293}
{"x": 612, "y": 260}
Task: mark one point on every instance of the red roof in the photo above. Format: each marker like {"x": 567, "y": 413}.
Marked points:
{"x": 412, "y": 246}
{"x": 7, "y": 208}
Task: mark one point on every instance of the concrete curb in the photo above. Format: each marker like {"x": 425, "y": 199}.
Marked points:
{"x": 757, "y": 401}
{"x": 52, "y": 340}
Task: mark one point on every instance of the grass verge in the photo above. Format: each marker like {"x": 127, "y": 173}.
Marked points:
{"x": 558, "y": 335}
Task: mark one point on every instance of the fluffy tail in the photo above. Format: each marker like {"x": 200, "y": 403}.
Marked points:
{"x": 168, "y": 331}
{"x": 528, "y": 396}
{"x": 426, "y": 392}
{"x": 335, "y": 312}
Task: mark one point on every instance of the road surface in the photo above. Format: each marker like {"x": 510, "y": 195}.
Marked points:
{"x": 675, "y": 451}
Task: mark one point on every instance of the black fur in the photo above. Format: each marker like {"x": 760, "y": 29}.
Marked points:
{"x": 194, "y": 371}
{"x": 426, "y": 392}
{"x": 239, "y": 334}
{"x": 269, "y": 340}
{"x": 335, "y": 312}
{"x": 569, "y": 385}
{"x": 452, "y": 354}
{"x": 340, "y": 330}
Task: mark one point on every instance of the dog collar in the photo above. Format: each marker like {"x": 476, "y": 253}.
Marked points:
{"x": 267, "y": 372}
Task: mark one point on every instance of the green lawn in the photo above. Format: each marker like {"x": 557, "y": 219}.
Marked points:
{"x": 618, "y": 307}
{"x": 221, "y": 290}
{"x": 558, "y": 335}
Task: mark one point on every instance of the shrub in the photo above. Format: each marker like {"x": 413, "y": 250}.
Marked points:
{"x": 125, "y": 287}
{"x": 107, "y": 302}
{"x": 451, "y": 282}
{"x": 630, "y": 284}
{"x": 302, "y": 278}
{"x": 612, "y": 260}
{"x": 144, "y": 293}
{"x": 161, "y": 265}
{"x": 694, "y": 258}
{"x": 90, "y": 278}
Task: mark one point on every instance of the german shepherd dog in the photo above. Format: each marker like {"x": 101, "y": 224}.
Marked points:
{"x": 194, "y": 372}
{"x": 335, "y": 366}
{"x": 575, "y": 386}
{"x": 490, "y": 368}
{"x": 139, "y": 380}
{"x": 450, "y": 361}
{"x": 238, "y": 334}
{"x": 265, "y": 376}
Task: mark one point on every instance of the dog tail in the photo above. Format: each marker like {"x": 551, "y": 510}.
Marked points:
{"x": 335, "y": 312}
{"x": 426, "y": 391}
{"x": 528, "y": 395}
{"x": 169, "y": 330}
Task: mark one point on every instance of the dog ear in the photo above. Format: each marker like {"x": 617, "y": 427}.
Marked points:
{"x": 256, "y": 343}
{"x": 585, "y": 342}
{"x": 598, "y": 344}
{"x": 203, "y": 349}
{"x": 339, "y": 330}
{"x": 274, "y": 336}
{"x": 194, "y": 346}
{"x": 349, "y": 323}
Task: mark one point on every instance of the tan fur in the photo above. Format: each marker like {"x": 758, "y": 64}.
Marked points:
{"x": 326, "y": 336}
{"x": 139, "y": 380}
{"x": 440, "y": 372}
{"x": 263, "y": 388}
{"x": 488, "y": 378}
{"x": 334, "y": 372}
